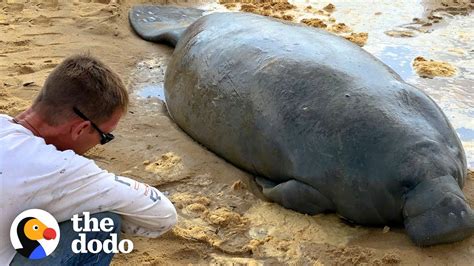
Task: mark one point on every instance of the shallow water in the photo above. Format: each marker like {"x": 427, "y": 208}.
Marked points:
{"x": 148, "y": 78}
{"x": 152, "y": 90}
{"x": 450, "y": 40}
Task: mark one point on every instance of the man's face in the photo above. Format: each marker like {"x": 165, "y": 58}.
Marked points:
{"x": 90, "y": 137}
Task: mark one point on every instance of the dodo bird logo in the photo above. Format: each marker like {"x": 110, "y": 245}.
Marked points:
{"x": 34, "y": 234}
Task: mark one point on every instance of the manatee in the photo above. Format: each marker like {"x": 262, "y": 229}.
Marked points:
{"x": 322, "y": 124}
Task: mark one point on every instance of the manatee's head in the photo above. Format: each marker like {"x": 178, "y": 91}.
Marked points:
{"x": 436, "y": 212}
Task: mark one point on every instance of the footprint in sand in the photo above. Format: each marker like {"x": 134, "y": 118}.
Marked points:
{"x": 13, "y": 7}
{"x": 24, "y": 68}
{"x": 10, "y": 104}
{"x": 41, "y": 20}
{"x": 30, "y": 67}
{"x": 10, "y": 47}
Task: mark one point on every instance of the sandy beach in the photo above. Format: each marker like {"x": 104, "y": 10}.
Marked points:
{"x": 222, "y": 217}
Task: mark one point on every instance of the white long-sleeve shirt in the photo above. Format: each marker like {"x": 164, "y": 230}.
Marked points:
{"x": 35, "y": 175}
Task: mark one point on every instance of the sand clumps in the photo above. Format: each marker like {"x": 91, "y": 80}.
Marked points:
{"x": 167, "y": 168}
{"x": 418, "y": 25}
{"x": 181, "y": 200}
{"x": 238, "y": 185}
{"x": 358, "y": 38}
{"x": 272, "y": 9}
{"x": 224, "y": 217}
{"x": 219, "y": 226}
{"x": 262, "y": 231}
{"x": 215, "y": 221}
{"x": 401, "y": 33}
{"x": 390, "y": 258}
{"x": 329, "y": 8}
{"x": 270, "y": 222}
{"x": 312, "y": 240}
{"x": 340, "y": 28}
{"x": 434, "y": 15}
{"x": 285, "y": 17}
{"x": 314, "y": 22}
{"x": 269, "y": 219}
{"x": 308, "y": 15}
{"x": 168, "y": 164}
{"x": 229, "y": 5}
{"x": 198, "y": 206}
{"x": 428, "y": 68}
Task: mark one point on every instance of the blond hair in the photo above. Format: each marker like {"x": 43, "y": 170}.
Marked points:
{"x": 86, "y": 83}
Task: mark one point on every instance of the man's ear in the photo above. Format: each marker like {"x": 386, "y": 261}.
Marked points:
{"x": 77, "y": 129}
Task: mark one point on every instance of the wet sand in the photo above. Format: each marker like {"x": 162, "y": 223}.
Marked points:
{"x": 222, "y": 218}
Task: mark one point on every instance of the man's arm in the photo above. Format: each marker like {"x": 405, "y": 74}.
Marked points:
{"x": 86, "y": 187}
{"x": 154, "y": 219}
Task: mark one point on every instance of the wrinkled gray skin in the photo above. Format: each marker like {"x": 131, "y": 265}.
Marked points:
{"x": 324, "y": 125}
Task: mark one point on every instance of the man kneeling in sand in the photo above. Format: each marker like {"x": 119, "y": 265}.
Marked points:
{"x": 41, "y": 166}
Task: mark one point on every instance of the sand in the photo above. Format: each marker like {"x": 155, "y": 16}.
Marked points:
{"x": 358, "y": 38}
{"x": 313, "y": 17}
{"x": 222, "y": 218}
{"x": 339, "y": 28}
{"x": 314, "y": 22}
{"x": 168, "y": 165}
{"x": 433, "y": 18}
{"x": 274, "y": 9}
{"x": 400, "y": 33}
{"x": 329, "y": 8}
{"x": 11, "y": 104}
{"x": 429, "y": 68}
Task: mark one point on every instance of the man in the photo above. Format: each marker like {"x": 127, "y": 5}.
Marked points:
{"x": 41, "y": 166}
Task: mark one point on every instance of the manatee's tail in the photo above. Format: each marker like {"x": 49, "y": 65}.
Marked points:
{"x": 436, "y": 212}
{"x": 162, "y": 24}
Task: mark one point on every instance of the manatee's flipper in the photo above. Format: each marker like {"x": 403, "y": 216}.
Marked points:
{"x": 295, "y": 195}
{"x": 436, "y": 212}
{"x": 162, "y": 24}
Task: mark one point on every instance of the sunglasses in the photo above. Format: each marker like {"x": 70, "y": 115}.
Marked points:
{"x": 104, "y": 137}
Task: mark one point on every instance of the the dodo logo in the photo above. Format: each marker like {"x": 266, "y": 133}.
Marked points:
{"x": 34, "y": 234}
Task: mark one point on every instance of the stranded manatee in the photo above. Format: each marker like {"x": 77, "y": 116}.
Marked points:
{"x": 324, "y": 125}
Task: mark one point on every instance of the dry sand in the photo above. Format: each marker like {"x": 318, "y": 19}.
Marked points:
{"x": 222, "y": 221}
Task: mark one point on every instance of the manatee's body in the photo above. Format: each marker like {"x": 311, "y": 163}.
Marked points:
{"x": 326, "y": 126}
